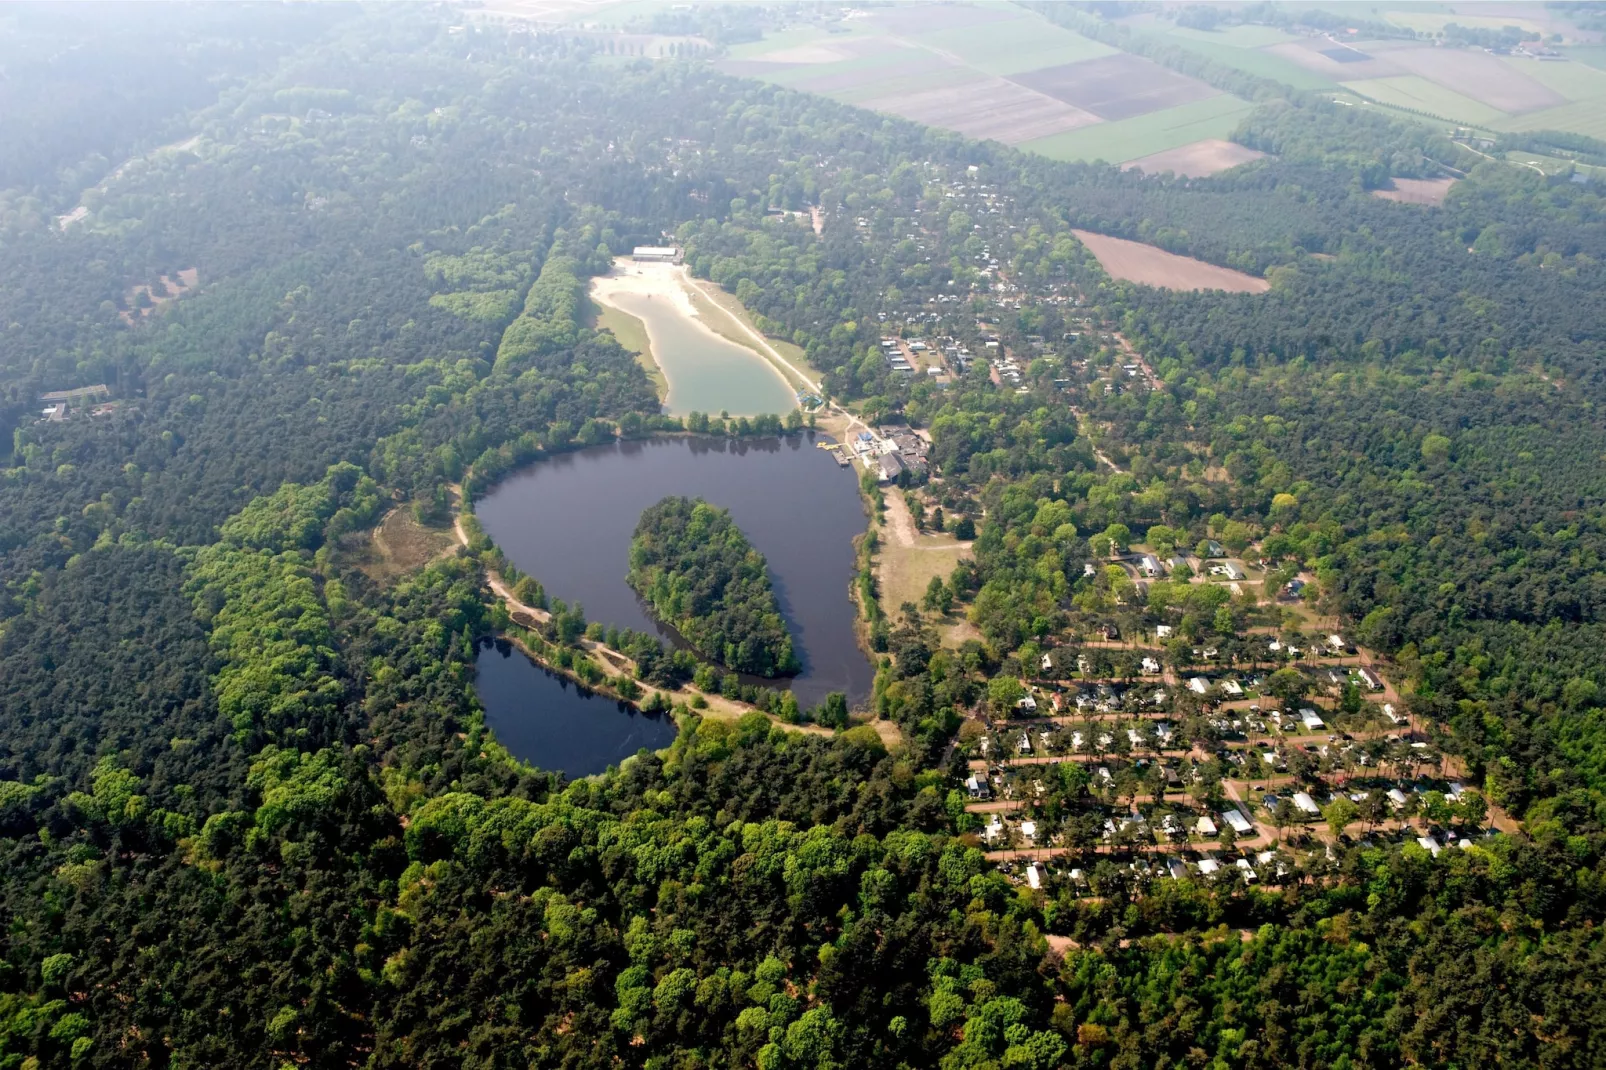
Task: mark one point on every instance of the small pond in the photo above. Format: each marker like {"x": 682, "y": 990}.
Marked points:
{"x": 567, "y": 521}
{"x": 554, "y": 723}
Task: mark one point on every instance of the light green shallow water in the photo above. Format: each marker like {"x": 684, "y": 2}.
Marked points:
{"x": 706, "y": 373}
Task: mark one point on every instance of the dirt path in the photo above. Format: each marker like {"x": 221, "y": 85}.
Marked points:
{"x": 1100, "y": 455}
{"x": 901, "y": 524}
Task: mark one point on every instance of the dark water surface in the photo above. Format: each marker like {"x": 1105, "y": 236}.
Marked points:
{"x": 555, "y": 724}
{"x": 568, "y": 521}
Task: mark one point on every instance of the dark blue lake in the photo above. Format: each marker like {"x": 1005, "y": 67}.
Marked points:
{"x": 555, "y": 724}
{"x": 567, "y": 521}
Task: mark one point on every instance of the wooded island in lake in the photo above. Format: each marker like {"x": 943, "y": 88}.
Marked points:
{"x": 699, "y": 573}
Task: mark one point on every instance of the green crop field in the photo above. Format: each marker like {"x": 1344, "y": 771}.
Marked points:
{"x": 1413, "y": 91}
{"x": 1130, "y": 138}
{"x": 1581, "y": 117}
{"x": 1250, "y": 60}
{"x": 1575, "y": 81}
{"x": 793, "y": 73}
{"x": 1429, "y": 22}
{"x": 937, "y": 76}
{"x": 1013, "y": 46}
{"x": 1594, "y": 55}
{"x": 1242, "y": 37}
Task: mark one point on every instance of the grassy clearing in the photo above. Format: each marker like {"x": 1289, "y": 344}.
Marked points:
{"x": 1414, "y": 91}
{"x": 632, "y": 334}
{"x": 903, "y": 572}
{"x": 399, "y": 545}
{"x": 1215, "y": 117}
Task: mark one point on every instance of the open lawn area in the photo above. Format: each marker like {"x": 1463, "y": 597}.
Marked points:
{"x": 906, "y": 560}
{"x": 1145, "y": 135}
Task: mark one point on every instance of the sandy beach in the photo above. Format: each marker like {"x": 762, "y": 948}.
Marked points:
{"x": 668, "y": 282}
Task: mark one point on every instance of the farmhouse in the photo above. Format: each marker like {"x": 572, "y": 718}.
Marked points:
{"x": 655, "y": 254}
{"x": 889, "y": 467}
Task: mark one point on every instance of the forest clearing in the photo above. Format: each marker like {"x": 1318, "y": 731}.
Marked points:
{"x": 1198, "y": 160}
{"x": 1133, "y": 261}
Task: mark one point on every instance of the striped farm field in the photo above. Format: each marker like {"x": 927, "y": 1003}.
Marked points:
{"x": 1145, "y": 135}
{"x": 1417, "y": 93}
{"x": 1580, "y": 117}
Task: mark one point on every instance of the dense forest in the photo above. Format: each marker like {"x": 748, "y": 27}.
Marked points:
{"x": 698, "y": 572}
{"x": 331, "y": 264}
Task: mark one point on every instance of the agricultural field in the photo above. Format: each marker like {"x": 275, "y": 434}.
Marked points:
{"x": 1261, "y": 62}
{"x": 1554, "y": 165}
{"x": 1412, "y": 92}
{"x": 996, "y": 109}
{"x": 1133, "y": 261}
{"x": 992, "y": 71}
{"x": 1145, "y": 135}
{"x": 1198, "y": 160}
{"x": 1584, "y": 88}
{"x": 1491, "y": 80}
{"x": 1116, "y": 87}
{"x": 1581, "y": 117}
{"x": 995, "y": 71}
